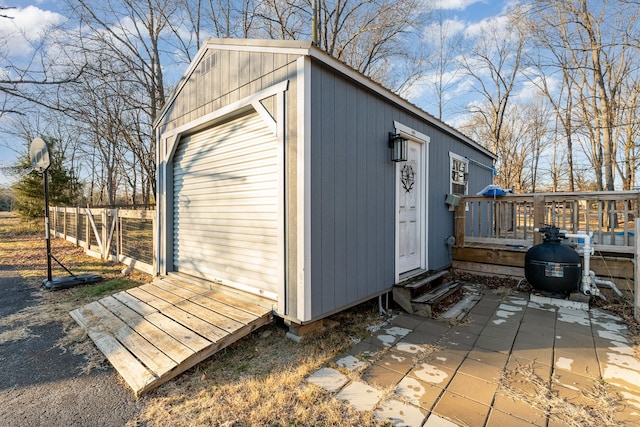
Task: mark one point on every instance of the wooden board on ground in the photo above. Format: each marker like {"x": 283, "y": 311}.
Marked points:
{"x": 154, "y": 332}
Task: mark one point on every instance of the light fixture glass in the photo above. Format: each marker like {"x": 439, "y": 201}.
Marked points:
{"x": 399, "y": 148}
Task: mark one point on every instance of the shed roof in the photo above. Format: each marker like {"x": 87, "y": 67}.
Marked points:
{"x": 306, "y": 48}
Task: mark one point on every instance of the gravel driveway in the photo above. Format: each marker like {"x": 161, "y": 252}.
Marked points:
{"x": 41, "y": 384}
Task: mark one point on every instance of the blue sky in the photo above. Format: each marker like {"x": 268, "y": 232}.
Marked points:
{"x": 32, "y": 16}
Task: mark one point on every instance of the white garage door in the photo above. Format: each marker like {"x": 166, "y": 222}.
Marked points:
{"x": 227, "y": 209}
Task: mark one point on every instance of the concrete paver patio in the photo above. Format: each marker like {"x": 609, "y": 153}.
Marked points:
{"x": 515, "y": 360}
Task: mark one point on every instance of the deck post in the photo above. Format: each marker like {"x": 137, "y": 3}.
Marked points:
{"x": 538, "y": 217}
{"x": 460, "y": 222}
{"x": 636, "y": 275}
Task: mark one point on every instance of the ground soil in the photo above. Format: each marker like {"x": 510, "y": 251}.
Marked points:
{"x": 41, "y": 381}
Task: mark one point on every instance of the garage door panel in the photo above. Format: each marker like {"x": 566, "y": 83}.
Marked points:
{"x": 255, "y": 167}
{"x": 229, "y": 148}
{"x": 241, "y": 234}
{"x": 249, "y": 279}
{"x": 227, "y": 205}
{"x": 230, "y": 154}
{"x": 228, "y": 255}
{"x": 256, "y": 249}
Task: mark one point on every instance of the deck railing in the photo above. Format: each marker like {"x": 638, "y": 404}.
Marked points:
{"x": 511, "y": 219}
{"x": 123, "y": 235}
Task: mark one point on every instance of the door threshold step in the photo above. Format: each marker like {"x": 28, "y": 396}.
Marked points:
{"x": 439, "y": 293}
{"x": 437, "y": 298}
{"x": 422, "y": 280}
{"x": 407, "y": 290}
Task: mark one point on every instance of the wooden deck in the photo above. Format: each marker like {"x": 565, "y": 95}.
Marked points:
{"x": 503, "y": 260}
{"x": 154, "y": 332}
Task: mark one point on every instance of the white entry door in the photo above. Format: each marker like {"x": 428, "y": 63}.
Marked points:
{"x": 410, "y": 205}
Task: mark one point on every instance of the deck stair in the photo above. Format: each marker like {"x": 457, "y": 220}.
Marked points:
{"x": 426, "y": 293}
{"x": 156, "y": 331}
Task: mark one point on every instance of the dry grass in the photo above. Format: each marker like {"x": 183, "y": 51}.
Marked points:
{"x": 597, "y": 407}
{"x": 23, "y": 250}
{"x": 258, "y": 381}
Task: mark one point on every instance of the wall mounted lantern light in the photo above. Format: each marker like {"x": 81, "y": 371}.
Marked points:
{"x": 399, "y": 147}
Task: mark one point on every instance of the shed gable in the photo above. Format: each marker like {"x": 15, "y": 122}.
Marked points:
{"x": 220, "y": 77}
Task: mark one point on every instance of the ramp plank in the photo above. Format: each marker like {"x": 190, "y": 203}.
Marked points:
{"x": 150, "y": 299}
{"x": 135, "y": 304}
{"x": 136, "y": 375}
{"x": 226, "y": 310}
{"x": 187, "y": 282}
{"x": 161, "y": 293}
{"x": 184, "y": 335}
{"x": 148, "y": 354}
{"x": 180, "y": 291}
{"x": 247, "y": 306}
{"x": 154, "y": 332}
{"x": 165, "y": 342}
{"x": 206, "y": 329}
{"x": 192, "y": 291}
{"x": 216, "y": 319}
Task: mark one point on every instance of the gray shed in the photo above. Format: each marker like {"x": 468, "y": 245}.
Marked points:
{"x": 275, "y": 177}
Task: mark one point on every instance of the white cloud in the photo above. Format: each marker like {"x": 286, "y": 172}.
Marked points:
{"x": 454, "y": 4}
{"x": 447, "y": 29}
{"x": 29, "y": 24}
{"x": 496, "y": 26}
{"x": 531, "y": 89}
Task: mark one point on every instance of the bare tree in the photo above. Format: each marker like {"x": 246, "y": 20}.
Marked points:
{"x": 34, "y": 80}
{"x": 441, "y": 42}
{"x": 368, "y": 35}
{"x": 593, "y": 40}
{"x": 2, "y": 12}
{"x": 493, "y": 64}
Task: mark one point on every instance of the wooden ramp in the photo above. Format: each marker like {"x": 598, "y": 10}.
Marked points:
{"x": 154, "y": 332}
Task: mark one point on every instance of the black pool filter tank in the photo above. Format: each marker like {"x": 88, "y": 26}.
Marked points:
{"x": 551, "y": 266}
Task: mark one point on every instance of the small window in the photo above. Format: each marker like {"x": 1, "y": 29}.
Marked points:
{"x": 459, "y": 174}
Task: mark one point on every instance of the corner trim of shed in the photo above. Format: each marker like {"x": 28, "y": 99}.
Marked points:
{"x": 303, "y": 189}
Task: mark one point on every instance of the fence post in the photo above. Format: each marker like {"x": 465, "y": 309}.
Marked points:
{"x": 64, "y": 223}
{"x": 538, "y": 217}
{"x": 87, "y": 230}
{"x": 636, "y": 273}
{"x": 104, "y": 233}
{"x": 77, "y": 226}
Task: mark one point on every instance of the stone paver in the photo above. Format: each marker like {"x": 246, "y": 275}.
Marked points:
{"x": 491, "y": 368}
{"x": 400, "y": 414}
{"x": 360, "y": 395}
{"x": 418, "y": 392}
{"x": 461, "y": 410}
{"x": 437, "y": 421}
{"x": 329, "y": 379}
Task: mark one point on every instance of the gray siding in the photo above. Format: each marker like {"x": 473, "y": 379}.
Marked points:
{"x": 353, "y": 191}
